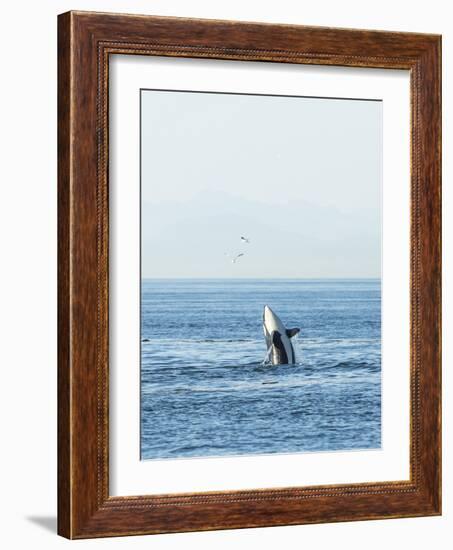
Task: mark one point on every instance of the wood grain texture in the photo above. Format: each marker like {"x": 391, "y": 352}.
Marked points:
{"x": 86, "y": 40}
{"x": 64, "y": 367}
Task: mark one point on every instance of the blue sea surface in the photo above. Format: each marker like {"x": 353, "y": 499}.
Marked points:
{"x": 205, "y": 391}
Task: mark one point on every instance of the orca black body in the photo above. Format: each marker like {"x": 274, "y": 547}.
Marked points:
{"x": 278, "y": 339}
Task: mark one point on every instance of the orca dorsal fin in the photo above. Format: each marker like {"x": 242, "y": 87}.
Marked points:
{"x": 290, "y": 332}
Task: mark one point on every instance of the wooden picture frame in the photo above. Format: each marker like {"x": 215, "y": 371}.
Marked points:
{"x": 85, "y": 42}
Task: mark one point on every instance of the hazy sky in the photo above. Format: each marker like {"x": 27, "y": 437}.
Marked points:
{"x": 300, "y": 177}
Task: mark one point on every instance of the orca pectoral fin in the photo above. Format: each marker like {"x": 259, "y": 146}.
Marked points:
{"x": 290, "y": 332}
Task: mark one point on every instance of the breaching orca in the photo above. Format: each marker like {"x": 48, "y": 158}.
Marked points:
{"x": 278, "y": 339}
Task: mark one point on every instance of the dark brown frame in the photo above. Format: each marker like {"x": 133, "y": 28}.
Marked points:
{"x": 85, "y": 42}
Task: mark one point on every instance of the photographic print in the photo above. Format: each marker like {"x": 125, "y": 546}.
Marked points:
{"x": 249, "y": 274}
{"x": 249, "y": 282}
{"x": 260, "y": 274}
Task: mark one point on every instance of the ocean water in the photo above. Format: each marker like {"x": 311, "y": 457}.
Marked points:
{"x": 205, "y": 391}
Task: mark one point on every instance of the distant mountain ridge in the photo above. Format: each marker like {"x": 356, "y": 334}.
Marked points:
{"x": 190, "y": 239}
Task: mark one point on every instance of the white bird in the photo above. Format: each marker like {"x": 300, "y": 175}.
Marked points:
{"x": 235, "y": 259}
{"x": 245, "y": 240}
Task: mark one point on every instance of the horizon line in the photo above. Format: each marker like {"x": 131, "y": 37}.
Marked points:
{"x": 265, "y": 278}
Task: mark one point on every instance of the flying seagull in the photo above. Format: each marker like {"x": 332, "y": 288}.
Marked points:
{"x": 235, "y": 259}
{"x": 245, "y": 240}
